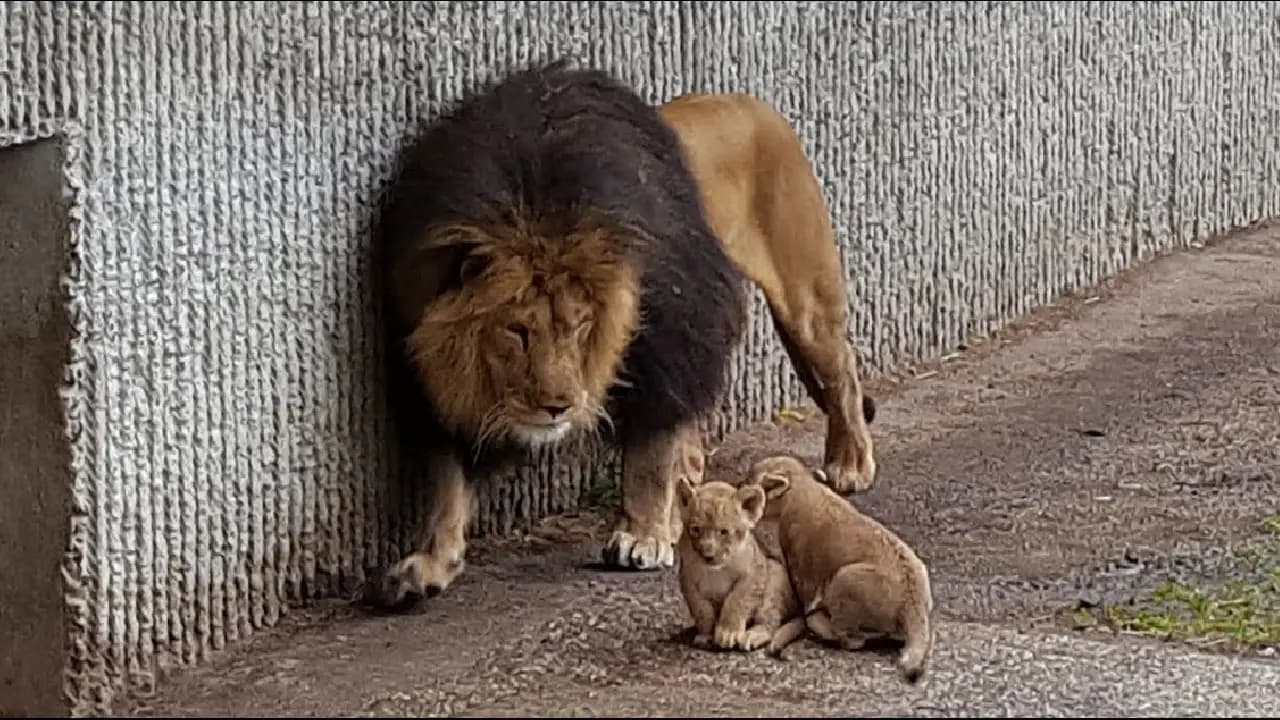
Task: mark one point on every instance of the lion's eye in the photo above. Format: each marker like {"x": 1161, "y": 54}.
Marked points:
{"x": 520, "y": 332}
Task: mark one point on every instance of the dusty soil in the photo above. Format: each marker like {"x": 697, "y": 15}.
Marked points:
{"x": 1125, "y": 437}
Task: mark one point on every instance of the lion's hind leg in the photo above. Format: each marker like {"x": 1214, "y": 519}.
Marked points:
{"x": 441, "y": 557}
{"x": 799, "y": 272}
{"x": 810, "y": 319}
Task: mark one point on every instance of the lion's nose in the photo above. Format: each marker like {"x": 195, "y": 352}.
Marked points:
{"x": 556, "y": 408}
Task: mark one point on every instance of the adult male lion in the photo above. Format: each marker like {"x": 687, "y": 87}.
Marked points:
{"x": 551, "y": 269}
{"x": 549, "y": 265}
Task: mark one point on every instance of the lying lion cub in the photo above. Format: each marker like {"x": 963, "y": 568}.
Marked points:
{"x": 856, "y": 580}
{"x": 738, "y": 596}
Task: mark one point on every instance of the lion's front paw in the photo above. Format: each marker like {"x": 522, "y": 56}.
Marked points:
{"x": 625, "y": 550}
{"x": 421, "y": 575}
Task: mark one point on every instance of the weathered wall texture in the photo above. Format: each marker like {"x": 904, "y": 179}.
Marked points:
{"x": 224, "y": 419}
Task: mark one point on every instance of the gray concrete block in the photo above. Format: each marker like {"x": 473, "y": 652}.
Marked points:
{"x": 35, "y": 457}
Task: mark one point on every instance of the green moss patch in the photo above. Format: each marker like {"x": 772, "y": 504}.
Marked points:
{"x": 1242, "y": 613}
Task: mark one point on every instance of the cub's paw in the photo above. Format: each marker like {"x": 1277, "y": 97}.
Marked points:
{"x": 853, "y": 642}
{"x": 628, "y": 551}
{"x": 729, "y": 638}
{"x": 702, "y": 642}
{"x": 756, "y": 637}
{"x": 777, "y": 651}
{"x": 418, "y": 576}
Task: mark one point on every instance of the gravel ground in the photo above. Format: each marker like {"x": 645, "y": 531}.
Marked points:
{"x": 1115, "y": 441}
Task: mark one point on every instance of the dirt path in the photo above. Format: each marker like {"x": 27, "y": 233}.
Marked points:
{"x": 1105, "y": 448}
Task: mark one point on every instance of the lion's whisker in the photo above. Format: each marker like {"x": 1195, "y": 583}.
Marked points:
{"x": 602, "y": 413}
{"x": 596, "y": 434}
{"x": 489, "y": 426}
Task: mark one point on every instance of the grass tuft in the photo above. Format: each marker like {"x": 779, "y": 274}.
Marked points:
{"x": 604, "y": 495}
{"x": 1243, "y": 612}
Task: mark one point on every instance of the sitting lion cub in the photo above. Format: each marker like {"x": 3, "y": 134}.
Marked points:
{"x": 856, "y": 580}
{"x": 738, "y": 596}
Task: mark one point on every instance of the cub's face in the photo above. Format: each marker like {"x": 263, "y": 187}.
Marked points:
{"x": 718, "y": 518}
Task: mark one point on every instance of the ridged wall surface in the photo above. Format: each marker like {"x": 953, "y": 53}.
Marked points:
{"x": 223, "y": 403}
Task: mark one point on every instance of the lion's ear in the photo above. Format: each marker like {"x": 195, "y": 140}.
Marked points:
{"x": 775, "y": 485}
{"x": 752, "y": 499}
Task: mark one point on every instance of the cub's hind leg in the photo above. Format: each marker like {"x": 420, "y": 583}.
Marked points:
{"x": 777, "y": 608}
{"x": 820, "y": 624}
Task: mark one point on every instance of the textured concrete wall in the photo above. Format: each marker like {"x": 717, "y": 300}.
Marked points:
{"x": 225, "y": 425}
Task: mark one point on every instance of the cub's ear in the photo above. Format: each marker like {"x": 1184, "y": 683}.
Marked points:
{"x": 684, "y": 492}
{"x": 775, "y": 485}
{"x": 752, "y": 498}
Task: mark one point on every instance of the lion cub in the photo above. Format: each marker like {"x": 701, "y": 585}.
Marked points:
{"x": 738, "y": 596}
{"x": 856, "y": 580}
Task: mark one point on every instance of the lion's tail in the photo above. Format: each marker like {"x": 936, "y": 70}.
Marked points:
{"x": 918, "y": 627}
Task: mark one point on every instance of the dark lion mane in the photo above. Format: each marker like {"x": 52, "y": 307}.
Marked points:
{"x": 551, "y": 146}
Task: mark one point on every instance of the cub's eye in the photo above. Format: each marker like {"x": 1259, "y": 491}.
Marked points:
{"x": 520, "y": 332}
{"x": 695, "y": 531}
{"x": 724, "y": 532}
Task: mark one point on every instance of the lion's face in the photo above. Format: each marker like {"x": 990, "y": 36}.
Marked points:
{"x": 534, "y": 355}
{"x": 524, "y": 349}
{"x": 718, "y": 518}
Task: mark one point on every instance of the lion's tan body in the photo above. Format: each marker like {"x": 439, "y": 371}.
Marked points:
{"x": 737, "y": 595}
{"x": 855, "y": 579}
{"x": 765, "y": 204}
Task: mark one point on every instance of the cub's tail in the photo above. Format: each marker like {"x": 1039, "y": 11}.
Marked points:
{"x": 914, "y": 658}
{"x": 785, "y": 635}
